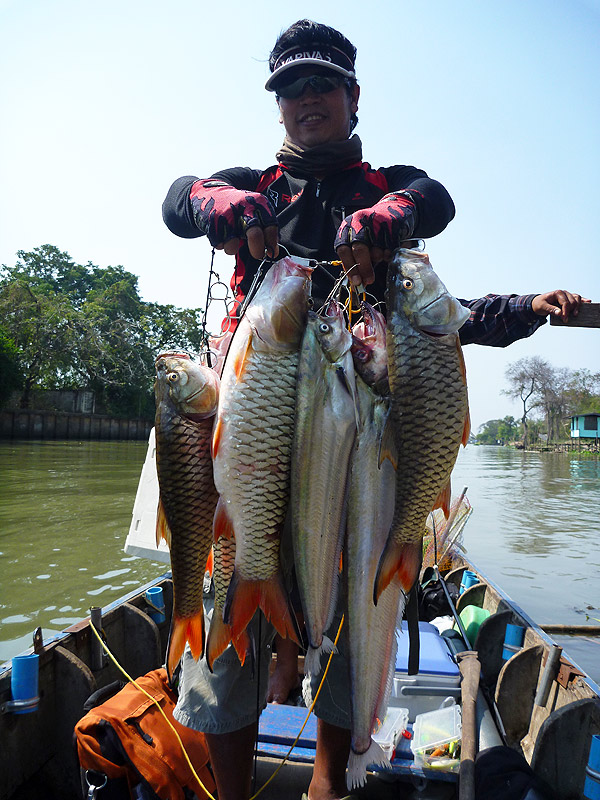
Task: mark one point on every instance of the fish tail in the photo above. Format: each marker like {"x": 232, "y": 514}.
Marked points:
{"x": 219, "y": 637}
{"x": 312, "y": 660}
{"x": 400, "y": 561}
{"x": 245, "y": 596}
{"x": 185, "y": 629}
{"x": 358, "y": 763}
{"x": 243, "y": 646}
{"x": 222, "y": 524}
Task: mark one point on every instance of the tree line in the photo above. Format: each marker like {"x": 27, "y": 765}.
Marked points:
{"x": 548, "y": 397}
{"x": 71, "y": 326}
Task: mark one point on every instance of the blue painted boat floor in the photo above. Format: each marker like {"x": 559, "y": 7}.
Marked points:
{"x": 280, "y": 724}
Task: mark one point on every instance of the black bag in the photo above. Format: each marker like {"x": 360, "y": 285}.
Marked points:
{"x": 432, "y": 598}
{"x": 503, "y": 774}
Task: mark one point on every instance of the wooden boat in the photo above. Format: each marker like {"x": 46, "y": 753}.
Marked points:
{"x": 539, "y": 704}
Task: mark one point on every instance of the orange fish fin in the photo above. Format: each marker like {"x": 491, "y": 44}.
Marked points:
{"x": 443, "y": 499}
{"x": 217, "y": 434}
{"x": 162, "y": 526}
{"x": 242, "y": 646}
{"x": 461, "y": 361}
{"x": 210, "y": 562}
{"x": 244, "y": 597}
{"x": 463, "y": 372}
{"x": 185, "y": 629}
{"x": 219, "y": 636}
{"x": 400, "y": 562}
{"x": 222, "y": 525}
{"x": 239, "y": 363}
{"x": 466, "y": 430}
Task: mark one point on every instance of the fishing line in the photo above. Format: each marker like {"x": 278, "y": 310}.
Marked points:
{"x": 310, "y": 710}
{"x": 156, "y": 703}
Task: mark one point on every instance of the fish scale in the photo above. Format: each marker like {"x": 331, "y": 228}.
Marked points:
{"x": 431, "y": 431}
{"x": 252, "y": 443}
{"x": 429, "y": 406}
{"x": 189, "y": 498}
{"x": 186, "y": 401}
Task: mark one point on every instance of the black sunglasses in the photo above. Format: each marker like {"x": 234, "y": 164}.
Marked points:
{"x": 321, "y": 84}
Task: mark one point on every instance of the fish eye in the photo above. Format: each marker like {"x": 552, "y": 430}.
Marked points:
{"x": 362, "y": 355}
{"x": 407, "y": 283}
{"x": 173, "y": 377}
{"x": 324, "y": 327}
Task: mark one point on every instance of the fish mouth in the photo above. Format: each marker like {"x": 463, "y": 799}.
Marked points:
{"x": 195, "y": 394}
{"x": 435, "y": 299}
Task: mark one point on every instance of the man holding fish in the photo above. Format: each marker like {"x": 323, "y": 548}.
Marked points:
{"x": 320, "y": 201}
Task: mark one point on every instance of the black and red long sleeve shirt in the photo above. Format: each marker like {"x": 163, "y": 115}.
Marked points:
{"x": 309, "y": 212}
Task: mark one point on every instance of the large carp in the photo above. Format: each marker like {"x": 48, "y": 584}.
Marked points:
{"x": 429, "y": 407}
{"x": 371, "y": 628}
{"x": 186, "y": 402}
{"x": 326, "y": 422}
{"x": 253, "y": 440}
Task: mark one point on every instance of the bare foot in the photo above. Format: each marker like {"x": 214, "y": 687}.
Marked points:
{"x": 284, "y": 678}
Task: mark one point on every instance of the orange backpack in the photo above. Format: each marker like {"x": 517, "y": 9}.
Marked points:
{"x": 127, "y": 739}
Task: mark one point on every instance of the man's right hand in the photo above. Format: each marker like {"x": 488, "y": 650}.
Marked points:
{"x": 228, "y": 215}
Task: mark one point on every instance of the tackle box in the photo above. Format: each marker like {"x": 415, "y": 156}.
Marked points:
{"x": 436, "y": 739}
{"x": 438, "y": 677}
{"x": 392, "y": 728}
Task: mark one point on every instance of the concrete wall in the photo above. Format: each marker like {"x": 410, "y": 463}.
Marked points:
{"x": 26, "y": 424}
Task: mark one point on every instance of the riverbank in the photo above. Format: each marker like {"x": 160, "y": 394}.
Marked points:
{"x": 30, "y": 424}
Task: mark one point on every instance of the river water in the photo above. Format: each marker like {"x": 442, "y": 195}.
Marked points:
{"x": 65, "y": 509}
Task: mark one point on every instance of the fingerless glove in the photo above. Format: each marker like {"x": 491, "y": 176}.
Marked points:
{"x": 223, "y": 212}
{"x": 384, "y": 225}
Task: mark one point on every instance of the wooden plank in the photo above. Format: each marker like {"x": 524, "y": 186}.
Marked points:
{"x": 572, "y": 630}
{"x": 588, "y": 317}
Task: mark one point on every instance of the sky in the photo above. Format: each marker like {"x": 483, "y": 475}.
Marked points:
{"x": 105, "y": 104}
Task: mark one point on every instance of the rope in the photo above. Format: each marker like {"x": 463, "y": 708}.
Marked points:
{"x": 310, "y": 710}
{"x": 156, "y": 703}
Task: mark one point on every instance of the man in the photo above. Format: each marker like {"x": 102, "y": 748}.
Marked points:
{"x": 319, "y": 201}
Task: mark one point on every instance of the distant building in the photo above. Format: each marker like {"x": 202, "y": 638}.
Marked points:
{"x": 585, "y": 426}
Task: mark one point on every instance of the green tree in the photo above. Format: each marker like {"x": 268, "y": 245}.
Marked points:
{"x": 11, "y": 377}
{"x": 488, "y": 432}
{"x": 76, "y": 326}
{"x": 527, "y": 379}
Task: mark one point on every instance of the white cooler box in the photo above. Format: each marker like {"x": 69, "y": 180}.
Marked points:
{"x": 438, "y": 677}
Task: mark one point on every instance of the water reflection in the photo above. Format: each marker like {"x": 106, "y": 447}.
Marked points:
{"x": 65, "y": 509}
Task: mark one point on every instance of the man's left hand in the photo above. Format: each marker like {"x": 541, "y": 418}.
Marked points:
{"x": 558, "y": 303}
{"x": 369, "y": 236}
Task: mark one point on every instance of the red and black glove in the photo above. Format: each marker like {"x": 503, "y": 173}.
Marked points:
{"x": 223, "y": 212}
{"x": 385, "y": 225}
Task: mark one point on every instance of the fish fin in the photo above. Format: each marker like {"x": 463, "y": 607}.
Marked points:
{"x": 222, "y": 525}
{"x": 244, "y": 597}
{"x": 216, "y": 439}
{"x": 443, "y": 499}
{"x": 185, "y": 629}
{"x": 239, "y": 363}
{"x": 356, "y": 775}
{"x": 312, "y": 659}
{"x": 218, "y": 638}
{"x": 466, "y": 430}
{"x": 399, "y": 561}
{"x": 244, "y": 646}
{"x": 461, "y": 361}
{"x": 162, "y": 526}
{"x": 210, "y": 562}
{"x": 463, "y": 373}
{"x": 387, "y": 445}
